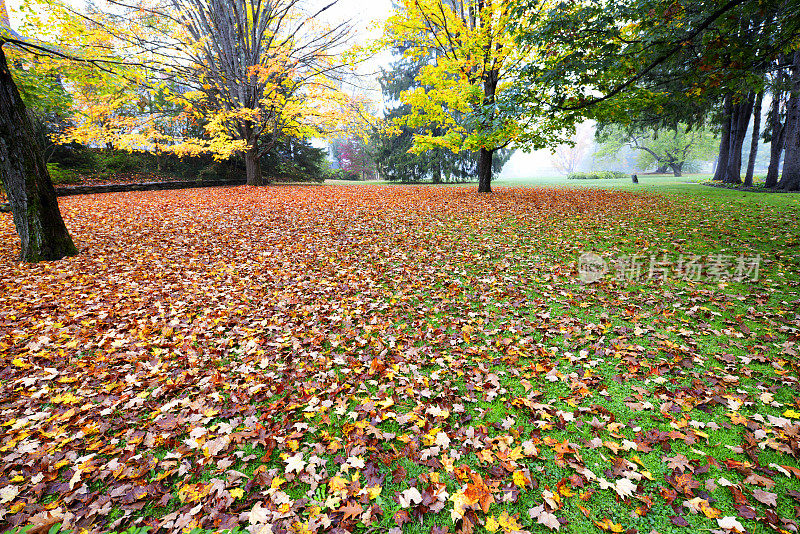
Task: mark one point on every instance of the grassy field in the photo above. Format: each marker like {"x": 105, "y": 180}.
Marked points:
{"x": 407, "y": 358}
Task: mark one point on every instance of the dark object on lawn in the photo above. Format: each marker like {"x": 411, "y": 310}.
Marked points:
{"x": 634, "y": 179}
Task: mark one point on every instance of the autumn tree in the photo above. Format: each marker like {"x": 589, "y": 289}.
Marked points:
{"x": 257, "y": 71}
{"x": 460, "y": 102}
{"x": 353, "y": 154}
{"x": 250, "y": 72}
{"x": 23, "y": 172}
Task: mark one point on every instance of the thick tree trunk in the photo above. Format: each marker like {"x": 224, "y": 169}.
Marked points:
{"x": 776, "y": 144}
{"x": 677, "y": 168}
{"x": 486, "y": 156}
{"x": 790, "y": 177}
{"x": 777, "y": 133}
{"x": 662, "y": 168}
{"x": 751, "y": 162}
{"x": 252, "y": 164}
{"x": 725, "y": 142}
{"x": 739, "y": 122}
{"x": 26, "y": 180}
{"x": 485, "y": 170}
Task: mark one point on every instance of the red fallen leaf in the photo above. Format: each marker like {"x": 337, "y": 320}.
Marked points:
{"x": 683, "y": 482}
{"x": 795, "y": 471}
{"x": 745, "y": 512}
{"x": 401, "y": 517}
{"x": 738, "y": 496}
{"x": 668, "y": 494}
{"x": 43, "y": 521}
{"x": 399, "y": 474}
{"x": 758, "y": 480}
{"x": 576, "y": 480}
{"x": 772, "y": 518}
{"x": 679, "y": 521}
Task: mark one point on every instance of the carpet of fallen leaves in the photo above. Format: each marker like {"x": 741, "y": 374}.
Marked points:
{"x": 399, "y": 358}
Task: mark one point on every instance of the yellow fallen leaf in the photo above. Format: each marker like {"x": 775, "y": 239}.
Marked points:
{"x": 337, "y": 484}
{"x": 19, "y": 362}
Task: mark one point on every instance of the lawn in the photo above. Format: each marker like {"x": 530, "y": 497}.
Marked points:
{"x": 370, "y": 358}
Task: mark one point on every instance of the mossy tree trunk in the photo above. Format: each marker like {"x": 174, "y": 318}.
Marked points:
{"x": 26, "y": 180}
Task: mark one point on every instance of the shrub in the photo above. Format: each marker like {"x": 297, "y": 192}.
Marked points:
{"x": 596, "y": 175}
{"x": 74, "y": 156}
{"x": 120, "y": 161}
{"x": 341, "y": 174}
{"x": 59, "y": 175}
{"x": 211, "y": 173}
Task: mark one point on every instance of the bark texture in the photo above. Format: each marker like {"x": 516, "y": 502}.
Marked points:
{"x": 43, "y": 235}
{"x": 485, "y": 170}
{"x": 790, "y": 177}
{"x": 725, "y": 142}
{"x": 777, "y": 134}
{"x": 740, "y": 118}
{"x": 486, "y": 155}
{"x": 252, "y": 163}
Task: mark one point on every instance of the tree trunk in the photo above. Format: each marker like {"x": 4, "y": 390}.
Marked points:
{"x": 485, "y": 170}
{"x": 739, "y": 121}
{"x": 751, "y": 162}
{"x": 437, "y": 172}
{"x": 26, "y": 180}
{"x": 677, "y": 168}
{"x": 486, "y": 156}
{"x": 790, "y": 178}
{"x": 777, "y": 130}
{"x": 776, "y": 144}
{"x": 725, "y": 142}
{"x": 252, "y": 163}
{"x": 662, "y": 168}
